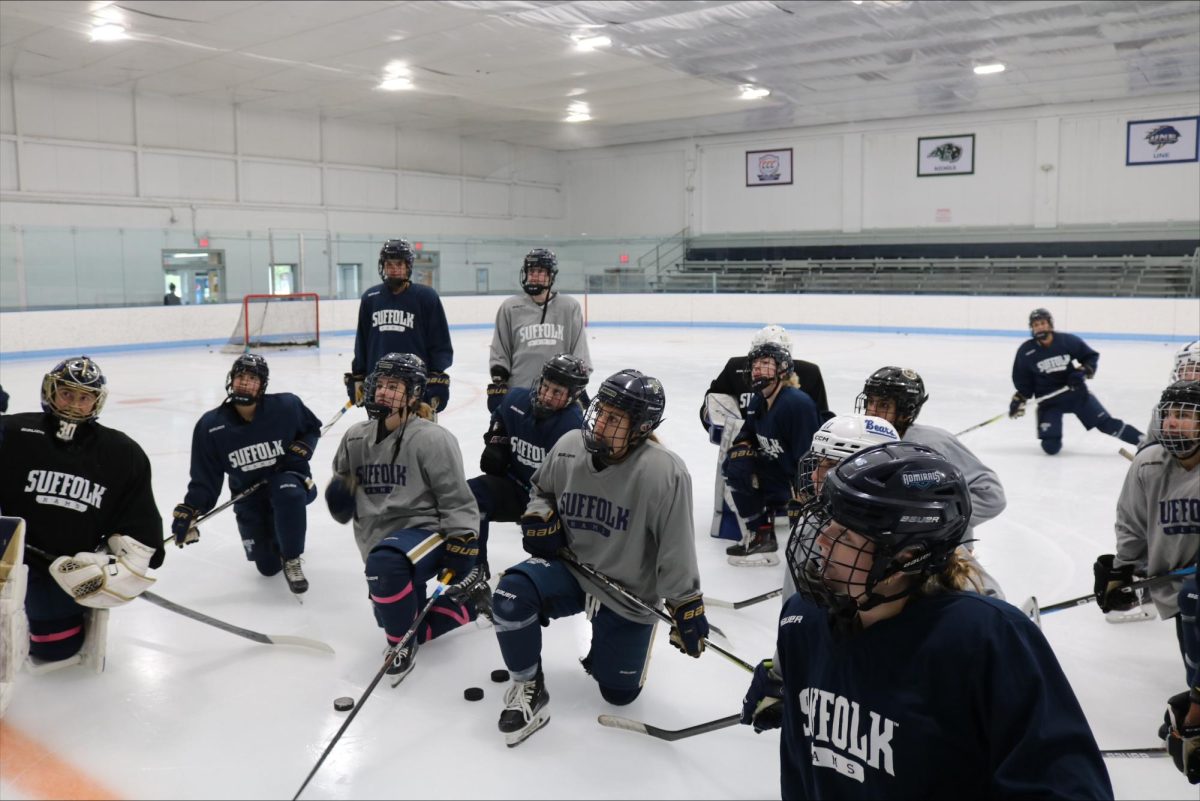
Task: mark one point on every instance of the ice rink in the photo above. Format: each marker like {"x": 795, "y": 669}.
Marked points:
{"x": 185, "y": 710}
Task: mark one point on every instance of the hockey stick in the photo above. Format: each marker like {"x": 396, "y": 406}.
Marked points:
{"x": 349, "y": 405}
{"x": 1035, "y": 612}
{"x": 243, "y": 494}
{"x": 570, "y": 559}
{"x": 1135, "y": 753}
{"x": 1125, "y": 452}
{"x": 1002, "y": 415}
{"x": 390, "y": 654}
{"x": 766, "y": 596}
{"x": 617, "y": 722}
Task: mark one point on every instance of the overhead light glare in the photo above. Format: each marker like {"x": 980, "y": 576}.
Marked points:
{"x": 989, "y": 69}
{"x": 753, "y": 92}
{"x": 189, "y": 255}
{"x": 396, "y": 69}
{"x": 577, "y": 116}
{"x": 108, "y": 32}
{"x": 576, "y": 92}
{"x": 395, "y": 84}
{"x": 592, "y": 42}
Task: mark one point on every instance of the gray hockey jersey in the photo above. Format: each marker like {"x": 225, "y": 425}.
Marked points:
{"x": 1158, "y": 521}
{"x": 987, "y": 494}
{"x": 528, "y": 335}
{"x": 420, "y": 485}
{"x": 631, "y": 521}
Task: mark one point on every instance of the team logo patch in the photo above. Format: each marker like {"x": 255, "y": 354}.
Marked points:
{"x": 911, "y": 375}
{"x": 922, "y": 480}
{"x": 874, "y": 428}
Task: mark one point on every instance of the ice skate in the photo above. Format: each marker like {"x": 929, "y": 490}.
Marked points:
{"x": 294, "y": 573}
{"x": 524, "y": 710}
{"x": 760, "y": 549}
{"x": 403, "y": 662}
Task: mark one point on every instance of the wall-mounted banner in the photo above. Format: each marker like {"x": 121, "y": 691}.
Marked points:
{"x": 946, "y": 155}
{"x": 1161, "y": 141}
{"x": 769, "y": 167}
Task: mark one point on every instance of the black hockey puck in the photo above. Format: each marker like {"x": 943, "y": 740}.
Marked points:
{"x": 473, "y": 694}
{"x": 343, "y": 704}
{"x": 500, "y": 676}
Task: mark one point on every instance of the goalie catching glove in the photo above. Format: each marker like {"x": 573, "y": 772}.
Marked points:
{"x": 105, "y": 580}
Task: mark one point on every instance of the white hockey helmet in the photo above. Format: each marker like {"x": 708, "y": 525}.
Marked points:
{"x": 772, "y": 333}
{"x": 839, "y": 438}
{"x": 1187, "y": 362}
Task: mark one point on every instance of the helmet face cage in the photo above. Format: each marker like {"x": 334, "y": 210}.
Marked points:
{"x": 78, "y": 373}
{"x": 1177, "y": 419}
{"x": 545, "y": 259}
{"x": 641, "y": 399}
{"x": 1187, "y": 363}
{"x": 404, "y": 367}
{"x": 252, "y": 364}
{"x": 777, "y": 353}
{"x": 902, "y": 386}
{"x": 566, "y": 371}
{"x": 396, "y": 250}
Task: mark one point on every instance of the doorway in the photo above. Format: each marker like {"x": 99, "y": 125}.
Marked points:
{"x": 198, "y": 276}
{"x": 348, "y": 281}
{"x": 283, "y": 279}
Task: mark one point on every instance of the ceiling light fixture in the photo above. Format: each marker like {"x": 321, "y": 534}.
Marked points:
{"x": 107, "y": 32}
{"x": 592, "y": 42}
{"x": 753, "y": 92}
{"x": 989, "y": 69}
{"x": 395, "y": 84}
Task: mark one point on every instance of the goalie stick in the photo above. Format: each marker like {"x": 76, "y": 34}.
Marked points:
{"x": 766, "y": 596}
{"x": 1002, "y": 415}
{"x": 1035, "y": 612}
{"x": 617, "y": 722}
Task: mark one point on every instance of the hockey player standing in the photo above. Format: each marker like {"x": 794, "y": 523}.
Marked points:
{"x": 253, "y": 436}
{"x": 1049, "y": 361}
{"x": 622, "y": 504}
{"x": 399, "y": 316}
{"x": 534, "y": 326}
{"x": 523, "y": 429}
{"x": 400, "y": 478}
{"x": 84, "y": 491}
{"x": 897, "y": 684}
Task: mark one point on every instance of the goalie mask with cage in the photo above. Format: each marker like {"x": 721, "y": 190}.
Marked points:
{"x": 396, "y": 250}
{"x": 838, "y": 438}
{"x": 539, "y": 258}
{"x": 1187, "y": 362}
{"x": 383, "y": 396}
{"x": 777, "y": 355}
{"x": 890, "y": 511}
{"x": 1177, "y": 419}
{"x": 74, "y": 390}
{"x": 562, "y": 380}
{"x": 902, "y": 387}
{"x": 247, "y": 364}
{"x": 627, "y": 407}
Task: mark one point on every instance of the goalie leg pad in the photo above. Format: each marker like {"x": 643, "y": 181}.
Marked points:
{"x": 14, "y": 627}
{"x": 95, "y": 640}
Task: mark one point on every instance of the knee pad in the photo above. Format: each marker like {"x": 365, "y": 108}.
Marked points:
{"x": 288, "y": 488}
{"x": 620, "y": 697}
{"x": 516, "y": 598}
{"x": 1052, "y": 446}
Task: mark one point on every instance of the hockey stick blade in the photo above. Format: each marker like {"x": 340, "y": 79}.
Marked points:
{"x": 1125, "y": 452}
{"x": 617, "y": 722}
{"x": 1135, "y": 753}
{"x": 265, "y": 639}
{"x": 766, "y": 596}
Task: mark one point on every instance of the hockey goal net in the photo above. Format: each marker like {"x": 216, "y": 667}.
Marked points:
{"x": 276, "y": 321}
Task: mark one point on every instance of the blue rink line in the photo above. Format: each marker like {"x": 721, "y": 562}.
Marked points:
{"x": 16, "y": 355}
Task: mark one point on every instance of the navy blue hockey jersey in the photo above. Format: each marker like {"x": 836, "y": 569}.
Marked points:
{"x": 223, "y": 444}
{"x": 1038, "y": 370}
{"x": 958, "y": 696}
{"x": 529, "y": 438}
{"x": 781, "y": 434}
{"x": 410, "y": 322}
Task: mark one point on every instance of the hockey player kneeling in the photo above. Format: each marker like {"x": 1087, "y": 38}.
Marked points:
{"x": 100, "y": 524}
{"x": 622, "y": 504}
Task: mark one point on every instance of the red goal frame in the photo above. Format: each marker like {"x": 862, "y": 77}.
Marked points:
{"x": 248, "y": 299}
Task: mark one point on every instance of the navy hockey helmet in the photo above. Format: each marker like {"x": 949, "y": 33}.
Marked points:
{"x": 902, "y": 386}
{"x": 1041, "y": 314}
{"x": 543, "y": 258}
{"x": 252, "y": 364}
{"x": 406, "y": 367}
{"x": 640, "y": 397}
{"x": 895, "y": 508}
{"x": 1177, "y": 419}
{"x": 566, "y": 371}
{"x": 78, "y": 373}
{"x": 396, "y": 250}
{"x": 777, "y": 352}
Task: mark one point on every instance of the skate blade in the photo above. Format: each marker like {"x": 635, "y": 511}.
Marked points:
{"x": 757, "y": 560}
{"x": 515, "y": 738}
{"x": 1136, "y": 616}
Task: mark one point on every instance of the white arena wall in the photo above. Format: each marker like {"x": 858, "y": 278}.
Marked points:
{"x": 51, "y": 333}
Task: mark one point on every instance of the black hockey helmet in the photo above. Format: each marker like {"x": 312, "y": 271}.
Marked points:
{"x": 253, "y": 364}
{"x": 1041, "y": 314}
{"x": 777, "y": 352}
{"x": 565, "y": 370}
{"x": 78, "y": 373}
{"x": 1181, "y": 401}
{"x": 396, "y": 250}
{"x": 406, "y": 367}
{"x": 903, "y": 386}
{"x": 905, "y": 500}
{"x": 640, "y": 396}
{"x": 538, "y": 257}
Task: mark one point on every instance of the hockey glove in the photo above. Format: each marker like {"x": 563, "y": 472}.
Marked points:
{"x": 105, "y": 580}
{"x": 498, "y": 388}
{"x": 460, "y": 591}
{"x": 1016, "y": 407}
{"x": 459, "y": 555}
{"x": 494, "y": 459}
{"x": 691, "y": 627}
{"x": 738, "y": 468}
{"x": 762, "y": 707}
{"x": 437, "y": 391}
{"x": 354, "y": 387}
{"x": 1076, "y": 378}
{"x": 295, "y": 458}
{"x": 183, "y": 525}
{"x": 542, "y": 535}
{"x": 1183, "y": 743}
{"x": 339, "y": 497}
{"x": 1112, "y": 585}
